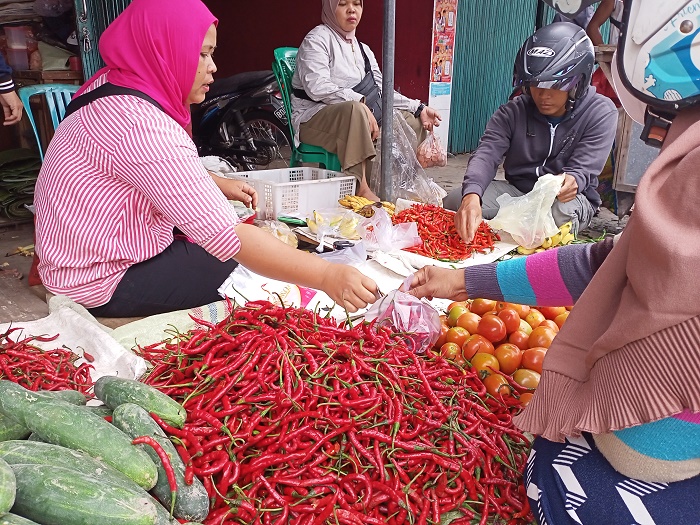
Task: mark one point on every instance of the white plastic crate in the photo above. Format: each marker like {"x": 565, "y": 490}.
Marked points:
{"x": 298, "y": 190}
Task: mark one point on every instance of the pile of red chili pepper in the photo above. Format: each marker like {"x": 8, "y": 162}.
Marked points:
{"x": 436, "y": 227}
{"x": 25, "y": 364}
{"x": 294, "y": 419}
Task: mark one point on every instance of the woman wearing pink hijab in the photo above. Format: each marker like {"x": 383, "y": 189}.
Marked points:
{"x": 121, "y": 175}
{"x": 337, "y": 93}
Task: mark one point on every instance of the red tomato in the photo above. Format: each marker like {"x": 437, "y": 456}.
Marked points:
{"x": 561, "y": 319}
{"x": 484, "y": 363}
{"x": 519, "y": 339}
{"x": 522, "y": 309}
{"x": 477, "y": 343}
{"x": 454, "y": 314}
{"x": 526, "y": 378}
{"x": 457, "y": 335}
{"x": 525, "y": 398}
{"x": 481, "y": 306}
{"x": 511, "y": 319}
{"x": 442, "y": 338}
{"x": 497, "y": 385}
{"x": 549, "y": 324}
{"x": 533, "y": 358}
{"x": 492, "y": 328}
{"x": 534, "y": 318}
{"x": 469, "y": 321}
{"x": 460, "y": 361}
{"x": 450, "y": 351}
{"x": 509, "y": 357}
{"x": 456, "y": 303}
{"x": 540, "y": 336}
{"x": 550, "y": 312}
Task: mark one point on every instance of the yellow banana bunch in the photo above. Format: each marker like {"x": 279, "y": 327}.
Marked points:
{"x": 561, "y": 238}
{"x": 364, "y": 206}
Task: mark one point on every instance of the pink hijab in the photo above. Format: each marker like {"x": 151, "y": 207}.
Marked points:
{"x": 328, "y": 18}
{"x": 154, "y": 47}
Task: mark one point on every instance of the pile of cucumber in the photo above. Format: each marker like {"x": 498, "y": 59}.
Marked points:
{"x": 62, "y": 463}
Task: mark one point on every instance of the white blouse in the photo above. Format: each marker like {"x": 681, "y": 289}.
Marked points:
{"x": 327, "y": 68}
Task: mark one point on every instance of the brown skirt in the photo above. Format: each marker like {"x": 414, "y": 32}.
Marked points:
{"x": 343, "y": 129}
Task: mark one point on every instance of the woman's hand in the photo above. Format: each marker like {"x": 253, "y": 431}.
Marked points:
{"x": 429, "y": 117}
{"x": 12, "y": 108}
{"x": 236, "y": 190}
{"x": 373, "y": 126}
{"x": 348, "y": 287}
{"x": 431, "y": 281}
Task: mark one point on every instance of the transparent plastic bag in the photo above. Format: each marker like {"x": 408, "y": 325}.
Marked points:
{"x": 416, "y": 318}
{"x": 431, "y": 153}
{"x": 408, "y": 180}
{"x": 528, "y": 218}
{"x": 354, "y": 255}
{"x": 339, "y": 223}
{"x": 380, "y": 234}
{"x": 280, "y": 230}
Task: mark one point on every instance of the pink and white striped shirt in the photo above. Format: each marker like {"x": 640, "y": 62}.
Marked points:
{"x": 118, "y": 175}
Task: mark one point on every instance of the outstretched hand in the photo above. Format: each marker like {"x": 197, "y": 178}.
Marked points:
{"x": 348, "y": 287}
{"x": 432, "y": 281}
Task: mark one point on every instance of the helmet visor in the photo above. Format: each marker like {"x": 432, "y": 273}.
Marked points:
{"x": 563, "y": 84}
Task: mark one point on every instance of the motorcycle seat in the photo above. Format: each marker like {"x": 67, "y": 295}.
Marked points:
{"x": 240, "y": 82}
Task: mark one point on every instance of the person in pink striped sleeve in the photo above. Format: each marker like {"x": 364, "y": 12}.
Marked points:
{"x": 121, "y": 175}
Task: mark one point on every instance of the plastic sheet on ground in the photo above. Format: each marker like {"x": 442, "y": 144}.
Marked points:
{"x": 80, "y": 332}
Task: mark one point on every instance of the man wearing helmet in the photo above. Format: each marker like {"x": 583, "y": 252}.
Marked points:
{"x": 560, "y": 125}
{"x": 617, "y": 409}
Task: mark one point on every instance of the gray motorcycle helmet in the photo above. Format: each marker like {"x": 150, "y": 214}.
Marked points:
{"x": 558, "y": 56}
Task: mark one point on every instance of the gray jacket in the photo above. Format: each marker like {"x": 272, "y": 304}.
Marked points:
{"x": 517, "y": 132}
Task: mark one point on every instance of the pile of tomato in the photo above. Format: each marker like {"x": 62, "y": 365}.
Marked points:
{"x": 505, "y": 343}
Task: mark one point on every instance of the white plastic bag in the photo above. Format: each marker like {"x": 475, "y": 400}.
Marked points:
{"x": 354, "y": 255}
{"x": 529, "y": 218}
{"x": 431, "y": 153}
{"x": 280, "y": 230}
{"x": 380, "y": 234}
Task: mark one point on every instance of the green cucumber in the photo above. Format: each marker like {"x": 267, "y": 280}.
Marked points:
{"x": 58, "y": 496}
{"x": 79, "y": 429}
{"x": 192, "y": 501}
{"x": 37, "y": 453}
{"x": 114, "y": 391}
{"x": 100, "y": 410}
{"x": 10, "y": 428}
{"x": 8, "y": 486}
{"x": 14, "y": 519}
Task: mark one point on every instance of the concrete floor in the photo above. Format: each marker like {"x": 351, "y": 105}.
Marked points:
{"x": 18, "y": 302}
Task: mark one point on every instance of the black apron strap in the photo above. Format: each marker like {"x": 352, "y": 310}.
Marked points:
{"x": 105, "y": 90}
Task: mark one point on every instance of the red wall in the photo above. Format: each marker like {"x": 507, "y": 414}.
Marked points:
{"x": 250, "y": 30}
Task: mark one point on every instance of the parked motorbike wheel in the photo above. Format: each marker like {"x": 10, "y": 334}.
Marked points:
{"x": 264, "y": 126}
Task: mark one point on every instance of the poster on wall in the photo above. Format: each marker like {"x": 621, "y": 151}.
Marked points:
{"x": 442, "y": 62}
{"x": 444, "y": 24}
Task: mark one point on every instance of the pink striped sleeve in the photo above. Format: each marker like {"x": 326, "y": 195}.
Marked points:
{"x": 172, "y": 177}
{"x": 546, "y": 280}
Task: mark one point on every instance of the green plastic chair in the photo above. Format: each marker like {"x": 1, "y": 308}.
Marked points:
{"x": 283, "y": 67}
{"x": 58, "y": 96}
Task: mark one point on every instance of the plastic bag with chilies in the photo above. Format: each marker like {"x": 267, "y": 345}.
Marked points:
{"x": 416, "y": 318}
{"x": 380, "y": 234}
{"x": 528, "y": 218}
{"x": 431, "y": 153}
{"x": 408, "y": 180}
